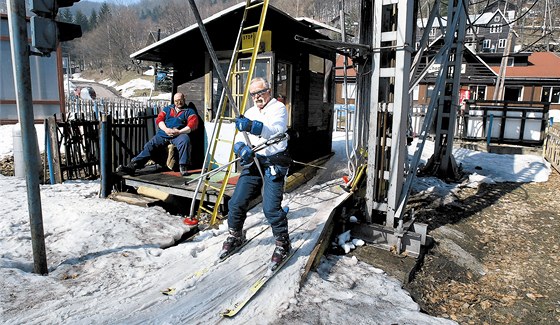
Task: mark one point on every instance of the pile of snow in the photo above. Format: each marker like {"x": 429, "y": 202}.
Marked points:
{"x": 127, "y": 90}
{"x": 7, "y": 139}
{"x": 108, "y": 82}
{"x": 150, "y": 72}
{"x": 347, "y": 243}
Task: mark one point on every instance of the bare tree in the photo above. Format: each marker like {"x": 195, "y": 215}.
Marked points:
{"x": 111, "y": 43}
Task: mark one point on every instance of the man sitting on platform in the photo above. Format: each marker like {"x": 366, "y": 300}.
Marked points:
{"x": 175, "y": 122}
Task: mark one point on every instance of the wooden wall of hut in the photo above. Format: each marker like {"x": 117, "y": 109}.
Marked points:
{"x": 311, "y": 115}
{"x": 194, "y": 92}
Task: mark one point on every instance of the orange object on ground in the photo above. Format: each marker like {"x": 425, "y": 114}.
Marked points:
{"x": 190, "y": 221}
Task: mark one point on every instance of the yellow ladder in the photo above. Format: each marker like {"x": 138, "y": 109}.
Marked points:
{"x": 234, "y": 75}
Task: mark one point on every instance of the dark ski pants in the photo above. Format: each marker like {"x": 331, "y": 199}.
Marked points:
{"x": 248, "y": 187}
{"x": 182, "y": 142}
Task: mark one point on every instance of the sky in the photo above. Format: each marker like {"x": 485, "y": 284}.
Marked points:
{"x": 110, "y": 261}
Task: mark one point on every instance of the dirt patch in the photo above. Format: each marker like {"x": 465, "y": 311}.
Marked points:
{"x": 7, "y": 166}
{"x": 496, "y": 255}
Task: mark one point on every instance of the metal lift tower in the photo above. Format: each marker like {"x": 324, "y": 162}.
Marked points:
{"x": 388, "y": 28}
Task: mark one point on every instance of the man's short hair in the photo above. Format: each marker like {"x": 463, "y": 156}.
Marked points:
{"x": 261, "y": 79}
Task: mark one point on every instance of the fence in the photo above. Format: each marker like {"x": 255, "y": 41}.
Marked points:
{"x": 73, "y": 149}
{"x": 341, "y": 114}
{"x": 522, "y": 123}
{"x": 552, "y": 146}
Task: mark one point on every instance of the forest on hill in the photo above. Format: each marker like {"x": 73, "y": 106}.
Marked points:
{"x": 114, "y": 30}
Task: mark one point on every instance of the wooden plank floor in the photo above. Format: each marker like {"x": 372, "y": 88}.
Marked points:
{"x": 173, "y": 183}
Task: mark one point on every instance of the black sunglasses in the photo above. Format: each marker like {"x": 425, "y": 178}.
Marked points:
{"x": 260, "y": 92}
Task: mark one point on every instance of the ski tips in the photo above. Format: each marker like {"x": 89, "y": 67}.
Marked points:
{"x": 223, "y": 254}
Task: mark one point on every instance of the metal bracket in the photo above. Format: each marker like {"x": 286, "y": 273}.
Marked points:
{"x": 409, "y": 241}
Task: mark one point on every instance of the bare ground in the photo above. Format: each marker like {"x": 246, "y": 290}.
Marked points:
{"x": 495, "y": 259}
{"x": 7, "y": 166}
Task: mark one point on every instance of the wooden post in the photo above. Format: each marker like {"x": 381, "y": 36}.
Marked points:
{"x": 54, "y": 160}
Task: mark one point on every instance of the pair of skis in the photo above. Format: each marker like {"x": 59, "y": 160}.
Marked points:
{"x": 268, "y": 273}
{"x": 255, "y": 288}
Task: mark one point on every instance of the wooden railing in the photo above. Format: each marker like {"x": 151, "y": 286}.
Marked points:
{"x": 521, "y": 123}
{"x": 73, "y": 149}
{"x": 551, "y": 150}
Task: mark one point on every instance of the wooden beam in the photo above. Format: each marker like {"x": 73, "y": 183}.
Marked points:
{"x": 323, "y": 241}
{"x": 54, "y": 148}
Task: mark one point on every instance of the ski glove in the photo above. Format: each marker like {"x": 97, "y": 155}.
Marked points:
{"x": 244, "y": 124}
{"x": 244, "y": 152}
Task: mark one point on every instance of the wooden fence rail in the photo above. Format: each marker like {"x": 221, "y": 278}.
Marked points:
{"x": 74, "y": 149}
{"x": 520, "y": 123}
{"x": 551, "y": 150}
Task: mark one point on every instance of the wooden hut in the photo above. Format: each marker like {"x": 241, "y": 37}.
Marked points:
{"x": 301, "y": 74}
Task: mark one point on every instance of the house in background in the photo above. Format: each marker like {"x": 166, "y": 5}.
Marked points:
{"x": 532, "y": 77}
{"x": 486, "y": 32}
{"x": 476, "y": 76}
{"x": 301, "y": 74}
{"x": 531, "y": 94}
{"x": 345, "y": 94}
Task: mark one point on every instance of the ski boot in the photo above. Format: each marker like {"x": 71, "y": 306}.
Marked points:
{"x": 232, "y": 244}
{"x": 281, "y": 252}
{"x": 183, "y": 170}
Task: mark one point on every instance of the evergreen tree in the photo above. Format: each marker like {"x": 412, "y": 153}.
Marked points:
{"x": 156, "y": 13}
{"x": 66, "y": 16}
{"x": 104, "y": 13}
{"x": 93, "y": 20}
{"x": 143, "y": 14}
{"x": 81, "y": 20}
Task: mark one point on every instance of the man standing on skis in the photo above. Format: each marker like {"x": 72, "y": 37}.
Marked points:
{"x": 267, "y": 118}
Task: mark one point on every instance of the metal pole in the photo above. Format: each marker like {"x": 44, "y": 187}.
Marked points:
{"x": 219, "y": 71}
{"x": 24, "y": 100}
{"x": 105, "y": 162}
{"x": 489, "y": 131}
{"x": 48, "y": 150}
{"x": 68, "y": 74}
{"x": 349, "y": 154}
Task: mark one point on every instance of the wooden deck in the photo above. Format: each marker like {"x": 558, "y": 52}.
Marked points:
{"x": 173, "y": 183}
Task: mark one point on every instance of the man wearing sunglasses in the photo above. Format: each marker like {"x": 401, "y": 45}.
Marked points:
{"x": 267, "y": 118}
{"x": 175, "y": 122}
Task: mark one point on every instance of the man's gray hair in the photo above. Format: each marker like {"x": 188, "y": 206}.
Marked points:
{"x": 261, "y": 79}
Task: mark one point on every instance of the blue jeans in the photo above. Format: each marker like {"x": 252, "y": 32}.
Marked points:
{"x": 248, "y": 187}
{"x": 182, "y": 142}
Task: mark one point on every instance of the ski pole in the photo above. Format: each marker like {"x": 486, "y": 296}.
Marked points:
{"x": 273, "y": 140}
{"x": 306, "y": 164}
{"x": 213, "y": 171}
